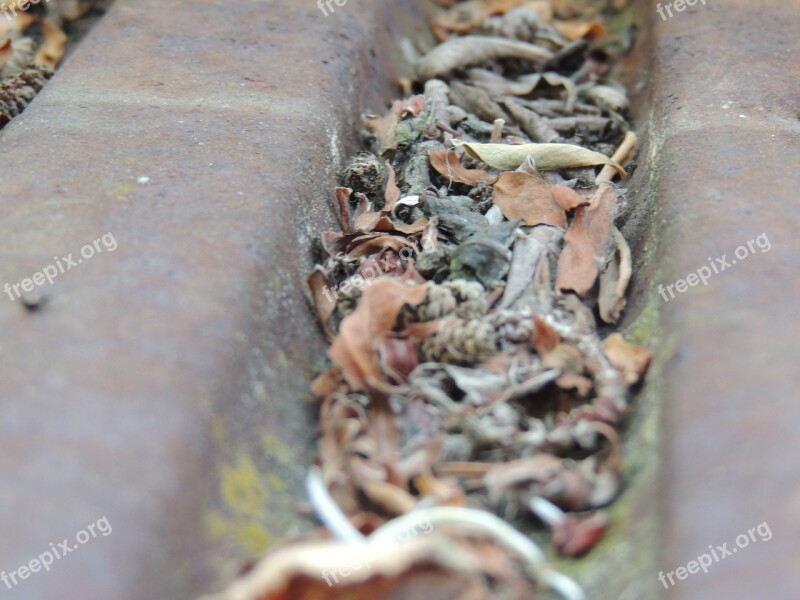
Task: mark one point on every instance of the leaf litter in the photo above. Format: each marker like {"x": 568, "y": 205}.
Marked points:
{"x": 32, "y": 44}
{"x": 471, "y": 395}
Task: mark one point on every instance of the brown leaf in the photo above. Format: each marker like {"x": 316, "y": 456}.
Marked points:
{"x": 343, "y": 199}
{"x": 567, "y": 198}
{"x": 385, "y": 127}
{"x": 320, "y": 287}
{"x": 614, "y": 280}
{"x": 545, "y": 338}
{"x": 354, "y": 349}
{"x": 528, "y": 197}
{"x": 446, "y": 163}
{"x": 392, "y": 191}
{"x": 630, "y": 359}
{"x": 586, "y": 242}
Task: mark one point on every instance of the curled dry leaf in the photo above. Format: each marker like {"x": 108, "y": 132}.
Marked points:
{"x": 614, "y": 280}
{"x": 586, "y": 242}
{"x": 355, "y": 349}
{"x": 385, "y": 127}
{"x": 446, "y": 163}
{"x": 630, "y": 359}
{"x": 508, "y": 157}
{"x": 470, "y": 50}
{"x": 528, "y": 197}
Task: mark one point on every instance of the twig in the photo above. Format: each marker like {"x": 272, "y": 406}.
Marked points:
{"x": 622, "y": 156}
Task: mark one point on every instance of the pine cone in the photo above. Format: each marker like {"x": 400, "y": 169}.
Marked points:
{"x": 17, "y": 91}
{"x": 470, "y": 297}
{"x": 464, "y": 299}
{"x": 462, "y": 343}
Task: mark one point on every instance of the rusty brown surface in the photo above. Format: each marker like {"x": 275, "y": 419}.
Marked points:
{"x": 723, "y": 158}
{"x": 161, "y": 386}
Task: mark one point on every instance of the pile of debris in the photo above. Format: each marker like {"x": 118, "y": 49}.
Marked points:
{"x": 470, "y": 395}
{"x": 32, "y": 42}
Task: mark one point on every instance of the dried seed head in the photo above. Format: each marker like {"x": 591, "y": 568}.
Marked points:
{"x": 17, "y": 91}
{"x": 462, "y": 343}
{"x": 366, "y": 174}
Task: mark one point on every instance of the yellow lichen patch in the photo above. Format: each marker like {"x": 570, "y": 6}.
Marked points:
{"x": 250, "y": 536}
{"x": 242, "y": 489}
{"x": 276, "y": 450}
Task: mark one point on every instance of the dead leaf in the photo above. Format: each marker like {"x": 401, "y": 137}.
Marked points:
{"x": 354, "y": 349}
{"x": 567, "y": 198}
{"x": 528, "y": 197}
{"x": 469, "y": 50}
{"x": 586, "y": 242}
{"x": 320, "y": 287}
{"x": 385, "y": 127}
{"x": 446, "y": 163}
{"x": 546, "y": 157}
{"x": 630, "y": 359}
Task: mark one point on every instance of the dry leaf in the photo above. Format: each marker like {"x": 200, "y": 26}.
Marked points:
{"x": 385, "y": 127}
{"x": 469, "y": 50}
{"x": 508, "y": 157}
{"x": 446, "y": 163}
{"x": 528, "y": 197}
{"x": 586, "y": 242}
{"x": 614, "y": 280}
{"x": 354, "y": 349}
{"x": 567, "y": 198}
{"x": 630, "y": 359}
